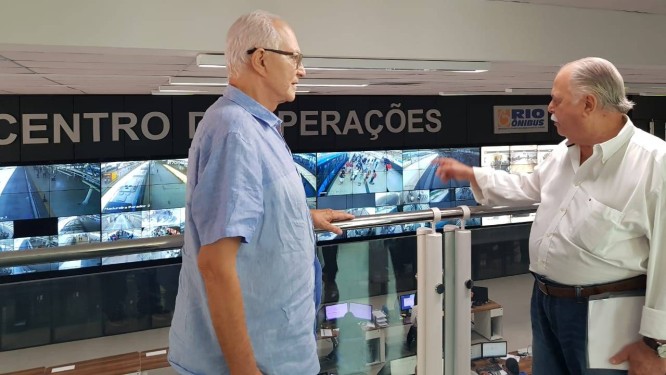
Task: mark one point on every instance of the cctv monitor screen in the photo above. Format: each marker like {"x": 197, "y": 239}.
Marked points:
{"x": 42, "y": 191}
{"x": 361, "y": 310}
{"x": 493, "y": 349}
{"x": 125, "y": 186}
{"x": 407, "y": 301}
{"x": 336, "y": 311}
{"x": 342, "y": 173}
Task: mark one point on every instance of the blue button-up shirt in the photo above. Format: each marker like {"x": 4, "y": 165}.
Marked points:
{"x": 242, "y": 182}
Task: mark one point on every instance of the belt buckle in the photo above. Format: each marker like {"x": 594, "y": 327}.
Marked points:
{"x": 579, "y": 294}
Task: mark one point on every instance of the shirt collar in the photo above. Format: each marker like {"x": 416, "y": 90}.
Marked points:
{"x": 611, "y": 146}
{"x": 252, "y": 106}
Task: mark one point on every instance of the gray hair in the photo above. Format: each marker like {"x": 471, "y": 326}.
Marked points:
{"x": 251, "y": 30}
{"x": 599, "y": 77}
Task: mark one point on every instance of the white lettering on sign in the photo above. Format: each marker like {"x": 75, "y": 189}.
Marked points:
{"x": 373, "y": 123}
{"x": 34, "y": 126}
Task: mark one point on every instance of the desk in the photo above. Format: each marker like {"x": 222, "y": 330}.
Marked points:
{"x": 525, "y": 364}
{"x": 488, "y": 320}
{"x": 375, "y": 338}
{"x": 406, "y": 365}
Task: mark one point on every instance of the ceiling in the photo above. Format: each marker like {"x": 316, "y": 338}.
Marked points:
{"x": 80, "y": 70}
{"x": 639, "y": 6}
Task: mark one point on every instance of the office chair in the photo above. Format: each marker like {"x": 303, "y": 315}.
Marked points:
{"x": 512, "y": 367}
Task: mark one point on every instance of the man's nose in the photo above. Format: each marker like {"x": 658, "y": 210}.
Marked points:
{"x": 300, "y": 71}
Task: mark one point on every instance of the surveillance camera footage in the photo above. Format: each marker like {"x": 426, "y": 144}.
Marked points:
{"x": 367, "y": 182}
{"x": 87, "y": 203}
{"x": 40, "y": 191}
{"x": 515, "y": 160}
{"x": 127, "y": 200}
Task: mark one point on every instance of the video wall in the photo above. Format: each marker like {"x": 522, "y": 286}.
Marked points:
{"x": 68, "y": 204}
{"x": 515, "y": 160}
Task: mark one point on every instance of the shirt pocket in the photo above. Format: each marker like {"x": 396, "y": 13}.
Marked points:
{"x": 598, "y": 226}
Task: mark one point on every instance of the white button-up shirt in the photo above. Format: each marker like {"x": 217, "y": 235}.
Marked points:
{"x": 598, "y": 222}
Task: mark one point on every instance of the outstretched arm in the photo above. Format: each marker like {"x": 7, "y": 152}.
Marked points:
{"x": 452, "y": 169}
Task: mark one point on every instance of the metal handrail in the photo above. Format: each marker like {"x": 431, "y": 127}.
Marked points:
{"x": 146, "y": 245}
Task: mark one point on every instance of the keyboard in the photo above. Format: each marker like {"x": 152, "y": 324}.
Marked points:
{"x": 493, "y": 369}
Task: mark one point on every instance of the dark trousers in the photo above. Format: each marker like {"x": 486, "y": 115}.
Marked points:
{"x": 559, "y": 331}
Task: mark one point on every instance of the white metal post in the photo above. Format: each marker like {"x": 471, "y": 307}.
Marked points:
{"x": 449, "y": 299}
{"x": 433, "y": 313}
{"x": 463, "y": 301}
{"x": 429, "y": 277}
{"x": 421, "y": 234}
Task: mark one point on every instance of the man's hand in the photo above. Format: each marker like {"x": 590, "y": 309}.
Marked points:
{"x": 642, "y": 359}
{"x": 452, "y": 169}
{"x": 322, "y": 219}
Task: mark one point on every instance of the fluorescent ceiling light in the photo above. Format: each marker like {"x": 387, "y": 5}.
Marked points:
{"x": 182, "y": 89}
{"x": 528, "y": 90}
{"x": 169, "y": 89}
{"x": 332, "y": 85}
{"x": 207, "y": 60}
{"x": 221, "y": 82}
{"x": 157, "y": 92}
{"x": 198, "y": 81}
{"x": 190, "y": 89}
{"x": 394, "y": 64}
{"x": 197, "y": 90}
{"x": 305, "y": 82}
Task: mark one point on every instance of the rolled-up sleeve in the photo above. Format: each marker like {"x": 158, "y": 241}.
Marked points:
{"x": 227, "y": 200}
{"x": 653, "y": 321}
{"x": 502, "y": 188}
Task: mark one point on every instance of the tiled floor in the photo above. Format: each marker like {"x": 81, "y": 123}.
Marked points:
{"x": 513, "y": 293}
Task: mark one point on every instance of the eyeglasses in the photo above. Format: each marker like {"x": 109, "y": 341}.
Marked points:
{"x": 297, "y": 57}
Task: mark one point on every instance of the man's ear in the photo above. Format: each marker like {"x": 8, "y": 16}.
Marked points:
{"x": 591, "y": 103}
{"x": 258, "y": 62}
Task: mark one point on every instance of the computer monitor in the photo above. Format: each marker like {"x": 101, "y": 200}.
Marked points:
{"x": 361, "y": 310}
{"x": 476, "y": 351}
{"x": 407, "y": 301}
{"x": 494, "y": 349}
{"x": 336, "y": 311}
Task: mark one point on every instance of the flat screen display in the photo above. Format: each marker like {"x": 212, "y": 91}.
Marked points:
{"x": 407, "y": 301}
{"x": 493, "y": 349}
{"x": 476, "y": 352}
{"x": 360, "y": 310}
{"x": 336, "y": 311}
{"x": 41, "y": 191}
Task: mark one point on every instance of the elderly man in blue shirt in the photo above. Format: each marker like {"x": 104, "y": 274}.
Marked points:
{"x": 246, "y": 299}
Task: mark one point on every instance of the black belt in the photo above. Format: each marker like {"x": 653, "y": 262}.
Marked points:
{"x": 567, "y": 291}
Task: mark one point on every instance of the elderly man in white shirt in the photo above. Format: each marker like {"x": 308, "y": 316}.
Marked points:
{"x": 601, "y": 224}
